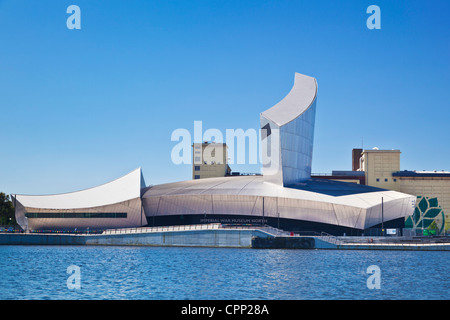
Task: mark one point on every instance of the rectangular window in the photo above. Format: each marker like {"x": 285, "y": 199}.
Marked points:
{"x": 197, "y": 176}
{"x": 76, "y": 215}
{"x": 197, "y": 168}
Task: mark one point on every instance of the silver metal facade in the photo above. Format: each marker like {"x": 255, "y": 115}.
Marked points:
{"x": 287, "y": 145}
{"x": 120, "y": 197}
{"x": 244, "y": 195}
{"x": 297, "y": 138}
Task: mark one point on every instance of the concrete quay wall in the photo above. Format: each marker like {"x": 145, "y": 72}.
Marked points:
{"x": 236, "y": 238}
{"x": 241, "y": 238}
{"x": 40, "y": 239}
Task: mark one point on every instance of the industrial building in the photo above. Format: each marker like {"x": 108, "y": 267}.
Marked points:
{"x": 381, "y": 169}
{"x": 209, "y": 160}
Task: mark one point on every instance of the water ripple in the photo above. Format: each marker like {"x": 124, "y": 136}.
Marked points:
{"x": 40, "y": 272}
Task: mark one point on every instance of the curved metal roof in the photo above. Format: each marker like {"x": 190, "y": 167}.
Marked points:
{"x": 122, "y": 189}
{"x": 321, "y": 190}
{"x": 297, "y": 101}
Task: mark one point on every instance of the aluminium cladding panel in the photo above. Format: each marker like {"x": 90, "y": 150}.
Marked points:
{"x": 295, "y": 103}
{"x": 389, "y": 210}
{"x": 349, "y": 216}
{"x": 220, "y": 204}
{"x": 308, "y": 210}
{"x": 298, "y": 209}
{"x": 203, "y": 204}
{"x": 120, "y": 195}
{"x": 20, "y": 212}
{"x": 135, "y": 217}
{"x": 271, "y": 152}
{"x": 244, "y": 196}
{"x": 287, "y": 144}
{"x": 122, "y": 189}
{"x": 297, "y": 139}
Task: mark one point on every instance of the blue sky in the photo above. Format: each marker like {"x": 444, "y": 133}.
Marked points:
{"x": 79, "y": 108}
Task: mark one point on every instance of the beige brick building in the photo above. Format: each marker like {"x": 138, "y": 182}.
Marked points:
{"x": 382, "y": 169}
{"x": 209, "y": 160}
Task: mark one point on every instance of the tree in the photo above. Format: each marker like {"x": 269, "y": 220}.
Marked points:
{"x": 433, "y": 227}
{"x": 7, "y": 212}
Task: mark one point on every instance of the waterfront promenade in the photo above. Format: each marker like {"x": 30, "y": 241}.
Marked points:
{"x": 217, "y": 235}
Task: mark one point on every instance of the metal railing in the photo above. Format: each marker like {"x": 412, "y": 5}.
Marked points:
{"x": 330, "y": 238}
{"x": 266, "y": 228}
{"x": 275, "y": 231}
{"x": 211, "y": 226}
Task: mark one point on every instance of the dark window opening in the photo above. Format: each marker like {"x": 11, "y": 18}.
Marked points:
{"x": 77, "y": 215}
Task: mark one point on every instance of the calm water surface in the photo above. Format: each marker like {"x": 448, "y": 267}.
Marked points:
{"x": 40, "y": 272}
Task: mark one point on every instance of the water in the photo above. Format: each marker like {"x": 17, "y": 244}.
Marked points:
{"x": 40, "y": 272}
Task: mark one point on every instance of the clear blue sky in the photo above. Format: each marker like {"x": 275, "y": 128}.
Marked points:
{"x": 79, "y": 108}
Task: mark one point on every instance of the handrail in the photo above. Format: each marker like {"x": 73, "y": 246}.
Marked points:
{"x": 212, "y": 226}
{"x": 330, "y": 238}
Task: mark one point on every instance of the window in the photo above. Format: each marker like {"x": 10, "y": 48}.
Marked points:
{"x": 76, "y": 215}
{"x": 197, "y": 168}
{"x": 385, "y": 180}
{"x": 197, "y": 176}
{"x": 395, "y": 180}
{"x": 378, "y": 180}
{"x": 197, "y": 159}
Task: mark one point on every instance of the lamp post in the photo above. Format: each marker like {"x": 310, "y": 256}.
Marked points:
{"x": 262, "y": 222}
{"x": 278, "y": 226}
{"x": 382, "y": 217}
{"x": 423, "y": 216}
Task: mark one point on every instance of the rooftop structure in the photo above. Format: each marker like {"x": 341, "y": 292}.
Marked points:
{"x": 287, "y": 144}
{"x": 116, "y": 204}
{"x": 209, "y": 160}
